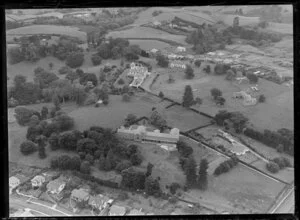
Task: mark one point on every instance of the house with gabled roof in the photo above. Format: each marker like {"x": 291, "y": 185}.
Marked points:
{"x": 80, "y": 195}
{"x": 14, "y": 182}
{"x": 99, "y": 201}
{"x": 56, "y": 186}
{"x": 136, "y": 212}
{"x": 38, "y": 181}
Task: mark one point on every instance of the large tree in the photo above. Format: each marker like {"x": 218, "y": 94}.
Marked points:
{"x": 188, "y": 97}
{"x": 202, "y": 178}
{"x": 215, "y": 93}
{"x": 189, "y": 72}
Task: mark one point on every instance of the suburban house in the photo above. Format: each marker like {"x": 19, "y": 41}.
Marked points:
{"x": 80, "y": 195}
{"x": 172, "y": 56}
{"x": 140, "y": 133}
{"x": 99, "y": 201}
{"x": 154, "y": 50}
{"x": 180, "y": 49}
{"x": 56, "y": 186}
{"x": 13, "y": 183}
{"x": 136, "y": 212}
{"x": 139, "y": 74}
{"x": 156, "y": 23}
{"x": 236, "y": 147}
{"x": 242, "y": 80}
{"x": 37, "y": 181}
{"x": 116, "y": 210}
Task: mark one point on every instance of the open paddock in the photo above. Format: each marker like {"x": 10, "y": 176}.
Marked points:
{"x": 286, "y": 175}
{"x": 184, "y": 119}
{"x": 150, "y": 44}
{"x": 243, "y": 186}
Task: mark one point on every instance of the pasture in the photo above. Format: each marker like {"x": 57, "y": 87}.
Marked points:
{"x": 183, "y": 119}
{"x": 144, "y": 32}
{"x": 150, "y": 44}
{"x": 48, "y": 29}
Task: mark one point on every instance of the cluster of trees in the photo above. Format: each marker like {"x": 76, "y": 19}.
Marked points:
{"x": 189, "y": 72}
{"x": 277, "y": 164}
{"x": 238, "y": 120}
{"x": 221, "y": 69}
{"x": 226, "y": 166}
{"x": 282, "y": 139}
{"x": 217, "y": 96}
{"x": 30, "y": 49}
{"x": 157, "y": 120}
{"x": 207, "y": 38}
{"x": 65, "y": 162}
{"x": 162, "y": 60}
{"x": 117, "y": 48}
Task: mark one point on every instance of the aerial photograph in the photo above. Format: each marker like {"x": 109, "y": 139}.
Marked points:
{"x": 150, "y": 110}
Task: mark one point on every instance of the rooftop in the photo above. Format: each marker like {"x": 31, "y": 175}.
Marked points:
{"x": 117, "y": 210}
{"x": 80, "y": 194}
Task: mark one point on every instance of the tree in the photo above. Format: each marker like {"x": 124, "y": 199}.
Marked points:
{"x": 152, "y": 186}
{"x": 190, "y": 171}
{"x": 261, "y": 98}
{"x": 89, "y": 158}
{"x": 272, "y": 167}
{"x": 126, "y": 97}
{"x": 53, "y": 141}
{"x": 124, "y": 164}
{"x": 42, "y": 152}
{"x": 15, "y": 55}
{"x": 221, "y": 69}
{"x": 23, "y": 115}
{"x": 72, "y": 75}
{"x": 130, "y": 119}
{"x": 44, "y": 78}
{"x": 215, "y": 93}
{"x": 85, "y": 167}
{"x": 202, "y": 178}
{"x": 252, "y": 77}
{"x": 136, "y": 159}
{"x": 104, "y": 51}
{"x": 75, "y": 59}
{"x": 198, "y": 100}
{"x": 171, "y": 79}
{"x": 197, "y": 63}
{"x": 102, "y": 162}
{"x": 96, "y": 59}
{"x": 173, "y": 188}
{"x": 157, "y": 120}
{"x": 28, "y": 147}
{"x": 88, "y": 77}
{"x": 162, "y": 61}
{"x": 230, "y": 74}
{"x": 86, "y": 145}
{"x": 280, "y": 148}
{"x": 65, "y": 70}
{"x": 121, "y": 82}
{"x": 149, "y": 169}
{"x": 34, "y": 120}
{"x": 44, "y": 112}
{"x": 161, "y": 95}
{"x": 67, "y": 140}
{"x": 64, "y": 122}
{"x": 189, "y": 72}
{"x": 56, "y": 102}
{"x": 207, "y": 69}
{"x": 220, "y": 100}
{"x": 51, "y": 65}
{"x": 188, "y": 97}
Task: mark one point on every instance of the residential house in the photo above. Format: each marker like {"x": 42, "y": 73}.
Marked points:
{"x": 99, "y": 201}
{"x": 37, "y": 181}
{"x": 139, "y": 74}
{"x": 156, "y": 23}
{"x": 180, "y": 49}
{"x": 242, "y": 80}
{"x": 80, "y": 195}
{"x": 116, "y": 210}
{"x": 154, "y": 51}
{"x": 178, "y": 65}
{"x": 172, "y": 56}
{"x": 140, "y": 133}
{"x": 190, "y": 57}
{"x": 136, "y": 212}
{"x": 22, "y": 213}
{"x": 247, "y": 98}
{"x": 13, "y": 183}
{"x": 56, "y": 186}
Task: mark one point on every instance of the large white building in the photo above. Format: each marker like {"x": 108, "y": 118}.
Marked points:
{"x": 139, "y": 74}
{"x": 142, "y": 134}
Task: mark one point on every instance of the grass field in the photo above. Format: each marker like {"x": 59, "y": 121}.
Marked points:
{"x": 48, "y": 29}
{"x": 177, "y": 116}
{"x": 243, "y": 21}
{"x": 150, "y": 44}
{"x": 275, "y": 113}
{"x": 281, "y": 28}
{"x": 144, "y": 32}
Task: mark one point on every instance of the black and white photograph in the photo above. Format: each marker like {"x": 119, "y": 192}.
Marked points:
{"x": 134, "y": 111}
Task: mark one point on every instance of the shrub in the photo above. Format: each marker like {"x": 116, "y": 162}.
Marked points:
{"x": 28, "y": 147}
{"x": 161, "y": 94}
{"x": 75, "y": 59}
{"x": 124, "y": 164}
{"x": 121, "y": 81}
{"x": 85, "y": 167}
{"x": 197, "y": 63}
{"x": 65, "y": 70}
{"x": 33, "y": 132}
{"x": 91, "y": 99}
{"x": 162, "y": 61}
{"x": 96, "y": 59}
{"x": 126, "y": 97}
{"x": 272, "y": 167}
{"x": 215, "y": 93}
{"x": 252, "y": 78}
{"x": 53, "y": 141}
{"x": 262, "y": 98}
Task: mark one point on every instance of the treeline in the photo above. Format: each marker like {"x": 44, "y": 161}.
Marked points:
{"x": 277, "y": 164}
{"x": 282, "y": 140}
{"x": 226, "y": 166}
{"x": 31, "y": 49}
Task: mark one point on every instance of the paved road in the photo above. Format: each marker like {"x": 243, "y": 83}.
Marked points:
{"x": 287, "y": 205}
{"x": 39, "y": 210}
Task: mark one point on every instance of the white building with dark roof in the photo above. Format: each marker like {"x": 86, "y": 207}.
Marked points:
{"x": 141, "y": 134}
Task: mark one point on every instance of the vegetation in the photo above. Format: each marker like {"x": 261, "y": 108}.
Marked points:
{"x": 190, "y": 171}
{"x": 252, "y": 77}
{"x": 96, "y": 59}
{"x": 225, "y": 166}
{"x": 28, "y": 147}
{"x": 188, "y": 97}
{"x": 261, "y": 98}
{"x": 202, "y": 177}
{"x": 215, "y": 93}
{"x": 157, "y": 120}
{"x": 162, "y": 61}
{"x": 189, "y": 72}
{"x": 197, "y": 63}
{"x": 130, "y": 119}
